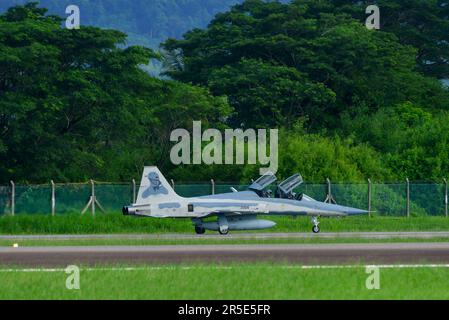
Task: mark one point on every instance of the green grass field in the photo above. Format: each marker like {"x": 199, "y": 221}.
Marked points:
{"x": 209, "y": 281}
{"x": 116, "y": 223}
{"x": 250, "y": 281}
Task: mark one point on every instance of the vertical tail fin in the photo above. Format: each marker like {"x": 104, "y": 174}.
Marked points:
{"x": 154, "y": 186}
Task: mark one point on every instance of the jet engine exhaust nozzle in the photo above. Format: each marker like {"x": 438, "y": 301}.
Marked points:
{"x": 125, "y": 211}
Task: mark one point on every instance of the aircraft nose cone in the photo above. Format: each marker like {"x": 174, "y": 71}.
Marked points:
{"x": 354, "y": 211}
{"x": 338, "y": 209}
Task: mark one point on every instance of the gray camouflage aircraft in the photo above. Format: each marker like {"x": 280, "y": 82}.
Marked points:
{"x": 234, "y": 210}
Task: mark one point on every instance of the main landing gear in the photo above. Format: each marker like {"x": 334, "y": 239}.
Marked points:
{"x": 223, "y": 230}
{"x": 315, "y": 228}
{"x": 221, "y": 225}
{"x": 199, "y": 230}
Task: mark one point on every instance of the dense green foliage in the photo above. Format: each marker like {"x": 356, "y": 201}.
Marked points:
{"x": 284, "y": 61}
{"x": 315, "y": 62}
{"x": 413, "y": 141}
{"x": 74, "y": 105}
{"x": 350, "y": 103}
{"x": 149, "y": 23}
{"x": 423, "y": 24}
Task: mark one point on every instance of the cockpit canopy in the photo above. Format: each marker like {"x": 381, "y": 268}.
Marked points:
{"x": 263, "y": 182}
{"x": 287, "y": 186}
{"x": 283, "y": 189}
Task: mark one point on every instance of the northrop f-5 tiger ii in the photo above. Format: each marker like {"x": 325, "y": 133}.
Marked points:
{"x": 233, "y": 210}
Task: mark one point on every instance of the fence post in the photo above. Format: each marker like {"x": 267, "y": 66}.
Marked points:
{"x": 329, "y": 197}
{"x": 213, "y": 185}
{"x": 13, "y": 197}
{"x": 93, "y": 201}
{"x": 445, "y": 197}
{"x": 53, "y": 198}
{"x": 134, "y": 190}
{"x": 93, "y": 196}
{"x": 369, "y": 197}
{"x": 408, "y": 197}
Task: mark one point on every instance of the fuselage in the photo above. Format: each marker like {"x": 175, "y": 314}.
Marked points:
{"x": 233, "y": 211}
{"x": 239, "y": 203}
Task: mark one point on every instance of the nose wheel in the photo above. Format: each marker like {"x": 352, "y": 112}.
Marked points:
{"x": 223, "y": 225}
{"x": 315, "y": 222}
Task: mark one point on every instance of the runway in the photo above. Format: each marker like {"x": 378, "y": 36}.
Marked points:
{"x": 303, "y": 254}
{"x": 236, "y": 236}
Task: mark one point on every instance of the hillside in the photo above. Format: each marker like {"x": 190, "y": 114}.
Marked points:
{"x": 146, "y": 22}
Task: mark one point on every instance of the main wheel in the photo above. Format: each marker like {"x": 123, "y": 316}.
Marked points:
{"x": 199, "y": 230}
{"x": 223, "y": 232}
{"x": 316, "y": 229}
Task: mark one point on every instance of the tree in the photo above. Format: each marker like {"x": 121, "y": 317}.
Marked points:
{"x": 423, "y": 24}
{"x": 303, "y": 44}
{"x": 266, "y": 94}
{"x": 74, "y": 104}
{"x": 413, "y": 142}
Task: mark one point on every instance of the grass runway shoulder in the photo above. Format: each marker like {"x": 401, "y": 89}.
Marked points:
{"x": 115, "y": 223}
{"x": 235, "y": 282}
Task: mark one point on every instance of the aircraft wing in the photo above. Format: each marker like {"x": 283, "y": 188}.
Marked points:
{"x": 217, "y": 213}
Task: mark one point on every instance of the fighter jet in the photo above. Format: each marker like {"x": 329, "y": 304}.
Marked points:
{"x": 233, "y": 210}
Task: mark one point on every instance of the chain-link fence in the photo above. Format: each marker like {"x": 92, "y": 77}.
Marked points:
{"x": 392, "y": 199}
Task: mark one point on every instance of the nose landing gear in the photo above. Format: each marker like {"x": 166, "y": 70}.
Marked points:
{"x": 315, "y": 222}
{"x": 223, "y": 225}
{"x": 223, "y": 230}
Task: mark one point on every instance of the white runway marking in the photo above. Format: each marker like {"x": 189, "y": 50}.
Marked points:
{"x": 384, "y": 266}
{"x": 235, "y": 236}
